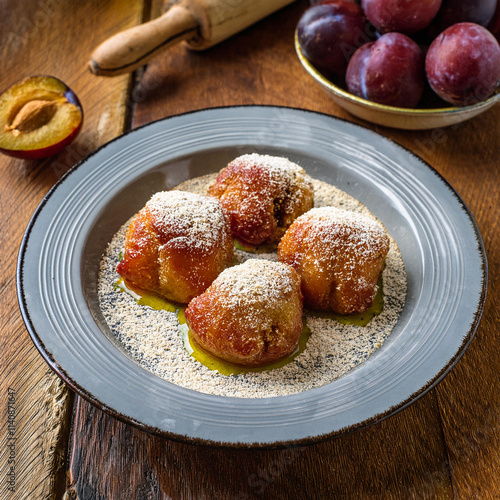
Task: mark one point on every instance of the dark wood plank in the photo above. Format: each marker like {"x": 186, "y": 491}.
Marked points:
{"x": 52, "y": 37}
{"x": 399, "y": 458}
{"x": 402, "y": 457}
{"x": 469, "y": 398}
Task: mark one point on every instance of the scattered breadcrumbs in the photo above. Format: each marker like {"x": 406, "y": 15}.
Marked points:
{"x": 152, "y": 338}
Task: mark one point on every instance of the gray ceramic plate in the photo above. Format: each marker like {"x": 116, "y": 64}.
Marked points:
{"x": 439, "y": 241}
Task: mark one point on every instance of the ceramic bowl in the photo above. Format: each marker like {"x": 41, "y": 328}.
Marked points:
{"x": 390, "y": 116}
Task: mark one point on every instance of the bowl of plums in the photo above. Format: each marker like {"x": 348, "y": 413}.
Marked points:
{"x": 417, "y": 64}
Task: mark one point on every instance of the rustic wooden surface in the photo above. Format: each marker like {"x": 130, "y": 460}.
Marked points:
{"x": 446, "y": 445}
{"x": 45, "y": 38}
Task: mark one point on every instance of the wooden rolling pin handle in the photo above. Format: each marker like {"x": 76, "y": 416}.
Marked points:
{"x": 132, "y": 48}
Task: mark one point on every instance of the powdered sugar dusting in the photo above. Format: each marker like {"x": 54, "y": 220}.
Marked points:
{"x": 339, "y": 254}
{"x": 255, "y": 282}
{"x": 280, "y": 168}
{"x": 357, "y": 225}
{"x": 263, "y": 195}
{"x": 358, "y": 239}
{"x": 182, "y": 214}
{"x": 286, "y": 180}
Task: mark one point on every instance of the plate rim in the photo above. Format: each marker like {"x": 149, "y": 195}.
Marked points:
{"x": 82, "y": 391}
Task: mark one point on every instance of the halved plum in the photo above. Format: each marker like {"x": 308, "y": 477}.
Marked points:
{"x": 39, "y": 117}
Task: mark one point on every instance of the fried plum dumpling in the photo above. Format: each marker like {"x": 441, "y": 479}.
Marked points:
{"x": 263, "y": 195}
{"x": 339, "y": 256}
{"x": 251, "y": 315}
{"x": 177, "y": 245}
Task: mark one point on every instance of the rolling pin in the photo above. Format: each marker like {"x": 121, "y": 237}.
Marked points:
{"x": 201, "y": 23}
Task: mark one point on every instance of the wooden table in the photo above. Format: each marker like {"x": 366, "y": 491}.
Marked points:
{"x": 445, "y": 445}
